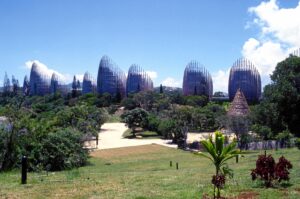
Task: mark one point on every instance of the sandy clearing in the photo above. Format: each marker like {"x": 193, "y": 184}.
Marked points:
{"x": 110, "y": 137}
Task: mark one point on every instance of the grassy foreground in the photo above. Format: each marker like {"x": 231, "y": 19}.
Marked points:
{"x": 144, "y": 172}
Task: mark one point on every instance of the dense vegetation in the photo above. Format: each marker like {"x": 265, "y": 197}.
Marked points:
{"x": 169, "y": 114}
{"x": 49, "y": 130}
{"x": 280, "y": 106}
{"x": 35, "y": 123}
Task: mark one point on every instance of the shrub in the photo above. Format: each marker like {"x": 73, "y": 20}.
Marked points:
{"x": 263, "y": 131}
{"x": 129, "y": 103}
{"x": 7, "y": 156}
{"x": 135, "y": 118}
{"x": 112, "y": 109}
{"x": 297, "y": 143}
{"x": 195, "y": 145}
{"x": 269, "y": 171}
{"x": 63, "y": 150}
{"x": 153, "y": 123}
{"x": 219, "y": 154}
{"x": 196, "y": 100}
{"x": 167, "y": 128}
{"x": 284, "y": 138}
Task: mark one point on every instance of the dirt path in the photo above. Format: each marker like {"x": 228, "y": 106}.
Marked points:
{"x": 110, "y": 137}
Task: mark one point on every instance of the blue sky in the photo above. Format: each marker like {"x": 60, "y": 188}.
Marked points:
{"x": 71, "y": 36}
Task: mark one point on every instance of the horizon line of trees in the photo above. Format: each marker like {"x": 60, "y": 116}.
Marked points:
{"x": 34, "y": 118}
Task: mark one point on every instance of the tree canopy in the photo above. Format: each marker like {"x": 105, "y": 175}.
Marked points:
{"x": 280, "y": 106}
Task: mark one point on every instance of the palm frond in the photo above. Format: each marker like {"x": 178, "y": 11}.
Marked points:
{"x": 219, "y": 141}
{"x": 209, "y": 148}
{"x": 204, "y": 155}
{"x": 229, "y": 148}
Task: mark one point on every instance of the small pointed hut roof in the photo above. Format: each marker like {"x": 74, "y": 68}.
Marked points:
{"x": 239, "y": 105}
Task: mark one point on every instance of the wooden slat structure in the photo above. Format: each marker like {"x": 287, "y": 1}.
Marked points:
{"x": 239, "y": 105}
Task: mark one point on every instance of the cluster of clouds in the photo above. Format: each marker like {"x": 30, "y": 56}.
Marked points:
{"x": 278, "y": 36}
{"x": 171, "y": 82}
{"x": 152, "y": 74}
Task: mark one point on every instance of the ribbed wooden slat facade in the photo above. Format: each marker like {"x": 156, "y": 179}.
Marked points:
{"x": 239, "y": 105}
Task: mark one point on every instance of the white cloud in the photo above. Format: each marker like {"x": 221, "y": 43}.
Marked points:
{"x": 220, "y": 80}
{"x": 46, "y": 70}
{"x": 281, "y": 23}
{"x": 264, "y": 55}
{"x": 279, "y": 35}
{"x": 152, "y": 74}
{"x": 171, "y": 82}
{"x": 69, "y": 77}
{"x": 78, "y": 77}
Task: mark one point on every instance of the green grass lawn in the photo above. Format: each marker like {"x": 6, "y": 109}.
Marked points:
{"x": 144, "y": 172}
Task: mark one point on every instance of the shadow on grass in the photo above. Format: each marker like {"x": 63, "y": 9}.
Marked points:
{"x": 142, "y": 135}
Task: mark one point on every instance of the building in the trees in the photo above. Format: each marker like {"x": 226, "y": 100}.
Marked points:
{"x": 39, "y": 80}
{"x": 138, "y": 80}
{"x": 26, "y": 86}
{"x": 111, "y": 79}
{"x": 88, "y": 84}
{"x": 239, "y": 106}
{"x": 57, "y": 85}
{"x": 6, "y": 84}
{"x": 244, "y": 76}
{"x": 296, "y": 52}
{"x": 197, "y": 80}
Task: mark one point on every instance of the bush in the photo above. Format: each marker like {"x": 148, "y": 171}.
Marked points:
{"x": 7, "y": 149}
{"x": 112, "y": 109}
{"x": 196, "y": 100}
{"x": 268, "y": 171}
{"x": 63, "y": 150}
{"x": 135, "y": 118}
{"x": 166, "y": 128}
{"x": 263, "y": 131}
{"x": 153, "y": 123}
{"x": 195, "y": 145}
{"x": 297, "y": 143}
{"x": 284, "y": 138}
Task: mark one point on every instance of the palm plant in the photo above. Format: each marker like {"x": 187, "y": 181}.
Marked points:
{"x": 219, "y": 154}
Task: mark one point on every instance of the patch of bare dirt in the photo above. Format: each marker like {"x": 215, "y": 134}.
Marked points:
{"x": 247, "y": 195}
{"x": 243, "y": 195}
{"x": 128, "y": 151}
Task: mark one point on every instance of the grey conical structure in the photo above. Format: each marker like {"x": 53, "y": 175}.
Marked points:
{"x": 26, "y": 86}
{"x": 244, "y": 76}
{"x": 138, "y": 80}
{"x": 88, "y": 84}
{"x": 57, "y": 85}
{"x": 39, "y": 80}
{"x": 111, "y": 79}
{"x": 197, "y": 80}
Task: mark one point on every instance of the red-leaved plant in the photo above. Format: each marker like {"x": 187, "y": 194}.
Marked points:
{"x": 269, "y": 171}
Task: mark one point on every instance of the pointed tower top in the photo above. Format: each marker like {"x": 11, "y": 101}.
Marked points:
{"x": 239, "y": 105}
